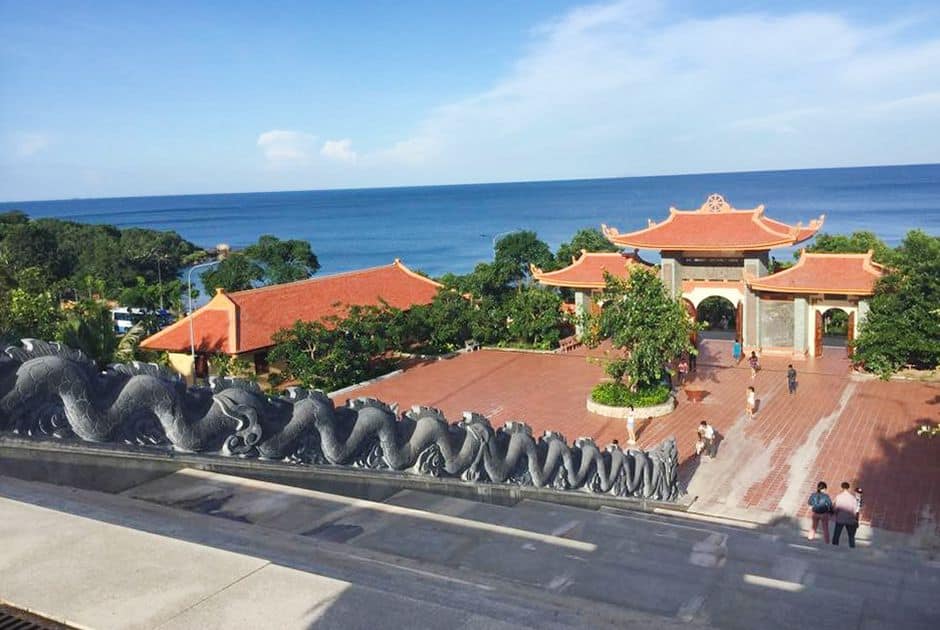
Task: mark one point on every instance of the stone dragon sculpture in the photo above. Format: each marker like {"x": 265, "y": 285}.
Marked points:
{"x": 47, "y": 390}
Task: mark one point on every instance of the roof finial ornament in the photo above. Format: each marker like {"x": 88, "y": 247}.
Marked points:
{"x": 715, "y": 203}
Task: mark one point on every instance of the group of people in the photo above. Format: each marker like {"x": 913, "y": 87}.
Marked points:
{"x": 750, "y": 404}
{"x": 706, "y": 433}
{"x": 845, "y": 510}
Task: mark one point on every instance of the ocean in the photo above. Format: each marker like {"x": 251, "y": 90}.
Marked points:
{"x": 439, "y": 229}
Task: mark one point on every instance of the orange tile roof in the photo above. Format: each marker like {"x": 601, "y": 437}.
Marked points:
{"x": 842, "y": 274}
{"x": 716, "y": 226}
{"x": 587, "y": 271}
{"x": 246, "y": 320}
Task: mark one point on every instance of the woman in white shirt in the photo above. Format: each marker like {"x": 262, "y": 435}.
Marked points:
{"x": 631, "y": 426}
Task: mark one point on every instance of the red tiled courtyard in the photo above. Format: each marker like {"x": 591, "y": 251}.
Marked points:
{"x": 838, "y": 426}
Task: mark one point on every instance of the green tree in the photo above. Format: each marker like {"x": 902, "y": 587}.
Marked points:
{"x": 150, "y": 296}
{"x": 854, "y": 243}
{"x": 283, "y": 261}
{"x": 587, "y": 239}
{"x": 650, "y": 328}
{"x": 516, "y": 251}
{"x": 323, "y": 355}
{"x": 89, "y": 327}
{"x": 533, "y": 317}
{"x": 236, "y": 273}
{"x": 448, "y": 321}
{"x": 30, "y": 310}
{"x": 902, "y": 326}
{"x": 27, "y": 245}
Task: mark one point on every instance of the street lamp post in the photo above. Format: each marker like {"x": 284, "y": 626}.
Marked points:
{"x": 222, "y": 251}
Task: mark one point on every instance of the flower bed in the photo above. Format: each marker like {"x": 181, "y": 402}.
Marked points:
{"x": 614, "y": 400}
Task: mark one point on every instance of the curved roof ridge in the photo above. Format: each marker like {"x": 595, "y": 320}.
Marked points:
{"x": 823, "y": 277}
{"x": 715, "y": 226}
{"x": 340, "y": 274}
{"x": 562, "y": 277}
{"x": 414, "y": 274}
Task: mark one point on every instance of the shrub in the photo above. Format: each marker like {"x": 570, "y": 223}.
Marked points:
{"x": 620, "y": 395}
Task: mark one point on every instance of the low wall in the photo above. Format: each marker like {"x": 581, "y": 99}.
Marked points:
{"x": 113, "y": 469}
{"x": 641, "y": 412}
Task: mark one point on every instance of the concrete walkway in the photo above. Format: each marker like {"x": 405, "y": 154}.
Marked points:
{"x": 199, "y": 550}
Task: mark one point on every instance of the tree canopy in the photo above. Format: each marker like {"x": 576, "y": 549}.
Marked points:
{"x": 516, "y": 251}
{"x": 903, "y": 324}
{"x": 650, "y": 328}
{"x": 854, "y": 243}
{"x": 268, "y": 261}
{"x": 65, "y": 254}
{"x": 587, "y": 239}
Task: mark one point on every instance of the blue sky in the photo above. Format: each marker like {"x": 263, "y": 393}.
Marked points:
{"x": 123, "y": 99}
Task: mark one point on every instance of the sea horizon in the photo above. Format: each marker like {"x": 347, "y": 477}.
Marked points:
{"x": 450, "y": 228}
{"x": 5, "y": 203}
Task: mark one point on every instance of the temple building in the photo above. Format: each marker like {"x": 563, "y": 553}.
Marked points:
{"x": 718, "y": 251}
{"x": 585, "y": 276}
{"x": 242, "y": 323}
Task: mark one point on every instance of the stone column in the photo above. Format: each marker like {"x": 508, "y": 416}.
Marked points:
{"x": 671, "y": 274}
{"x": 862, "y": 313}
{"x": 582, "y": 307}
{"x": 754, "y": 266}
{"x": 799, "y": 325}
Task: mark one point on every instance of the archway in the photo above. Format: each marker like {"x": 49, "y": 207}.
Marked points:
{"x": 720, "y": 317}
{"x": 835, "y": 328}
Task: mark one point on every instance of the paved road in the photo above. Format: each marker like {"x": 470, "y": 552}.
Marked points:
{"x": 200, "y": 550}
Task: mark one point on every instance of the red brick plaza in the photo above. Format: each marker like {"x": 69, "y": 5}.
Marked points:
{"x": 838, "y": 426}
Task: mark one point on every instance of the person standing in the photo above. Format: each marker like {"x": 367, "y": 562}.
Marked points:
{"x": 846, "y": 511}
{"x": 821, "y": 506}
{"x": 631, "y": 426}
{"x": 706, "y": 439}
{"x": 791, "y": 379}
{"x": 754, "y": 363}
{"x": 693, "y": 356}
{"x": 751, "y": 403}
{"x": 682, "y": 369}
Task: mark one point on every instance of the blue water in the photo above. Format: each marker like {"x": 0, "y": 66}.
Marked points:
{"x": 450, "y": 228}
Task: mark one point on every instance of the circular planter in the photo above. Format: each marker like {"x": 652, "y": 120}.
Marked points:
{"x": 641, "y": 412}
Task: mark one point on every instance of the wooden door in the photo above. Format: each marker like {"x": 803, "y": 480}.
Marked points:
{"x": 739, "y": 322}
{"x": 850, "y": 335}
{"x": 819, "y": 334}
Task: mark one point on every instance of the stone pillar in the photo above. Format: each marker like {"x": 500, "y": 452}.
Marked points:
{"x": 582, "y": 308}
{"x": 799, "y": 325}
{"x": 671, "y": 274}
{"x": 862, "y": 314}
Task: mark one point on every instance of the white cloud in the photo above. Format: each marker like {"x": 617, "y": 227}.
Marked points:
{"x": 29, "y": 144}
{"x": 636, "y": 87}
{"x": 339, "y": 150}
{"x": 284, "y": 147}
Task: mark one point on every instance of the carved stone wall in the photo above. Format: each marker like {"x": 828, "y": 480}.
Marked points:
{"x": 49, "y": 391}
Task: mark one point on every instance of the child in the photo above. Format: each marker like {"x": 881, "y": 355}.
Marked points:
{"x": 631, "y": 427}
{"x": 791, "y": 379}
{"x": 754, "y": 363}
{"x": 751, "y": 404}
